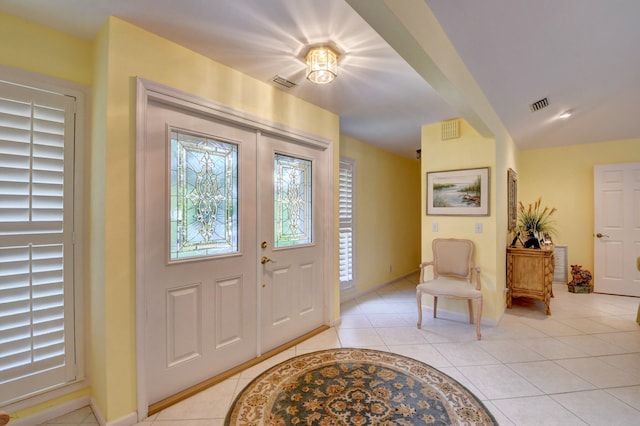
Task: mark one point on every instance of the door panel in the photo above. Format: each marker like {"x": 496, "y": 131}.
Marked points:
{"x": 290, "y": 225}
{"x": 280, "y": 304}
{"x": 307, "y": 293}
{"x": 200, "y": 266}
{"x": 617, "y": 228}
{"x": 184, "y": 317}
{"x": 229, "y": 301}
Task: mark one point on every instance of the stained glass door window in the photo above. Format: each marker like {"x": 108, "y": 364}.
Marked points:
{"x": 204, "y": 196}
{"x": 292, "y": 201}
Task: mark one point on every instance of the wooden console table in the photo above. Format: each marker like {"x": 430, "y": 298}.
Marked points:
{"x": 530, "y": 274}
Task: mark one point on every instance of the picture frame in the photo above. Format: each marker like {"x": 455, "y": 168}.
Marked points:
{"x": 463, "y": 192}
{"x": 512, "y": 199}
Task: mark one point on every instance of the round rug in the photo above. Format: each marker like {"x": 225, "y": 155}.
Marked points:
{"x": 356, "y": 387}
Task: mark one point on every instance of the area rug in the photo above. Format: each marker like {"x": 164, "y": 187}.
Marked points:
{"x": 356, "y": 387}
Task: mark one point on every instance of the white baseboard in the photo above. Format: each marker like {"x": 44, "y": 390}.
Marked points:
{"x": 127, "y": 420}
{"x": 346, "y": 297}
{"x": 51, "y": 413}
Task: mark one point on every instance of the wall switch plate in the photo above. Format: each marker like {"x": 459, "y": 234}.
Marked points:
{"x": 478, "y": 228}
{"x": 434, "y": 227}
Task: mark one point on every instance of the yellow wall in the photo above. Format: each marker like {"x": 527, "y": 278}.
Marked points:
{"x": 96, "y": 223}
{"x": 434, "y": 57}
{"x": 387, "y": 218}
{"x": 133, "y": 52}
{"x": 38, "y": 49}
{"x": 506, "y": 156}
{"x": 469, "y": 151}
{"x": 563, "y": 177}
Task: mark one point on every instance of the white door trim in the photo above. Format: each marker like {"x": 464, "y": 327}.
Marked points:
{"x": 147, "y": 90}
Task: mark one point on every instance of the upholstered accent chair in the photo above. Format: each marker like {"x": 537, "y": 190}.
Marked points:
{"x": 452, "y": 277}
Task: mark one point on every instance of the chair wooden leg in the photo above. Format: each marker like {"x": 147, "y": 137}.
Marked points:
{"x": 470, "y": 311}
{"x": 419, "y": 297}
{"x": 435, "y": 305}
{"x": 479, "y": 319}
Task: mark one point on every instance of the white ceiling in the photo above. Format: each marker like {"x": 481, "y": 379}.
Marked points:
{"x": 580, "y": 54}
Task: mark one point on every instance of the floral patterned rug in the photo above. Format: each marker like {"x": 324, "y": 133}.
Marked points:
{"x": 356, "y": 387}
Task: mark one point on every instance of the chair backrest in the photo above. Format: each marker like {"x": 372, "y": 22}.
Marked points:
{"x": 452, "y": 257}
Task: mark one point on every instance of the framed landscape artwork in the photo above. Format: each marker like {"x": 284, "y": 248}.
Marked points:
{"x": 512, "y": 199}
{"x": 458, "y": 192}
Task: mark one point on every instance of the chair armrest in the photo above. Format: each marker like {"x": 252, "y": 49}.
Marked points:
{"x": 477, "y": 269}
{"x": 423, "y": 265}
{"x": 4, "y": 418}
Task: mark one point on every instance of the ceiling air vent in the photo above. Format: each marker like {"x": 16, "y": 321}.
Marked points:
{"x": 283, "y": 82}
{"x": 450, "y": 129}
{"x": 538, "y": 105}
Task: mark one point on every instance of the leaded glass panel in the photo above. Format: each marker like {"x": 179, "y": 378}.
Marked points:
{"x": 292, "y": 201}
{"x": 204, "y": 196}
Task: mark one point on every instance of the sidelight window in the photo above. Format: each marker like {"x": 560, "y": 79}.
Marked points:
{"x": 346, "y": 246}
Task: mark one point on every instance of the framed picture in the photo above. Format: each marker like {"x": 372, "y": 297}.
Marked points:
{"x": 512, "y": 199}
{"x": 458, "y": 192}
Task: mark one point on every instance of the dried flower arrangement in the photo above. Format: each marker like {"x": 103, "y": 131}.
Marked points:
{"x": 535, "y": 220}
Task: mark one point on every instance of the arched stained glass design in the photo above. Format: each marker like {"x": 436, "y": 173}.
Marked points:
{"x": 204, "y": 196}
{"x": 292, "y": 201}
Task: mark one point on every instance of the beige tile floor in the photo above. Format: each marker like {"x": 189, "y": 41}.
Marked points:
{"x": 579, "y": 366}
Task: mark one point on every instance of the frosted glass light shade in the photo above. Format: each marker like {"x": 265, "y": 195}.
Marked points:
{"x": 322, "y": 65}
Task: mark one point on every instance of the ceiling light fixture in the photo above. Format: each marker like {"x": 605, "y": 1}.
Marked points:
{"x": 322, "y": 65}
{"x": 565, "y": 114}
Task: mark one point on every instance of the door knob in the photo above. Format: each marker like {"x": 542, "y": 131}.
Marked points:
{"x": 599, "y": 235}
{"x": 265, "y": 259}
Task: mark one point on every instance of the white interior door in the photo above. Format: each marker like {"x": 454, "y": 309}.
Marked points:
{"x": 293, "y": 185}
{"x": 200, "y": 248}
{"x": 617, "y": 229}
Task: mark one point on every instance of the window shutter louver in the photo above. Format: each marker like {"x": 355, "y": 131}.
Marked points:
{"x": 346, "y": 225}
{"x": 36, "y": 246}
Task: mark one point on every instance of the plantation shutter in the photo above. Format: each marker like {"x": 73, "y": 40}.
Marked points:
{"x": 36, "y": 246}
{"x": 346, "y": 225}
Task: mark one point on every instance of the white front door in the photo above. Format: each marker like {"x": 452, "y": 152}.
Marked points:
{"x": 293, "y": 193}
{"x": 200, "y": 248}
{"x": 617, "y": 229}
{"x": 216, "y": 195}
